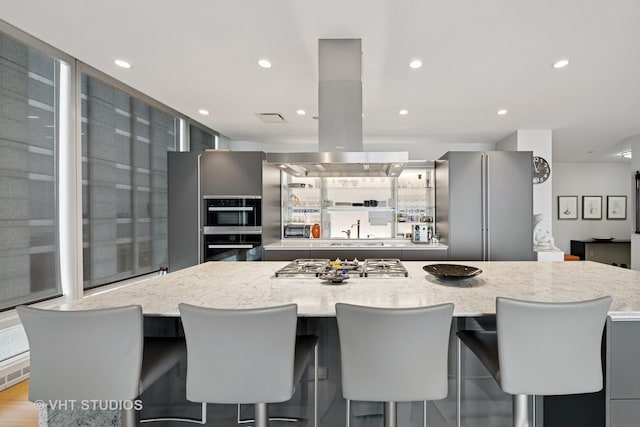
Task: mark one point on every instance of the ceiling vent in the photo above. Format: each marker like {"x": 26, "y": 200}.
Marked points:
{"x": 270, "y": 117}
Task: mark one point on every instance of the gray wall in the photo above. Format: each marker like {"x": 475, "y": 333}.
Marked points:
{"x": 591, "y": 179}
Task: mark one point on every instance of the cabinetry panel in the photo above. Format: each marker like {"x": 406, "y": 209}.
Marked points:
{"x": 424, "y": 255}
{"x": 232, "y": 173}
{"x": 285, "y": 255}
{"x": 624, "y": 361}
{"x": 625, "y": 413}
{"x": 361, "y": 254}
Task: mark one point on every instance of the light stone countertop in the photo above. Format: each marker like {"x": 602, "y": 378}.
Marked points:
{"x": 252, "y": 284}
{"x": 340, "y": 244}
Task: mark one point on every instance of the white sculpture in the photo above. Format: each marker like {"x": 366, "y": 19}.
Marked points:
{"x": 542, "y": 238}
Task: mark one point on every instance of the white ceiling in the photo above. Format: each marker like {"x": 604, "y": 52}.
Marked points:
{"x": 479, "y": 56}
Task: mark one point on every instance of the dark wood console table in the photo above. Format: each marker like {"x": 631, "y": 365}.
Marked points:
{"x": 616, "y": 251}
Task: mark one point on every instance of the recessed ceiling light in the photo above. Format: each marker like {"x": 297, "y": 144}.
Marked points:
{"x": 502, "y": 112}
{"x": 33, "y": 117}
{"x": 122, "y": 63}
{"x": 403, "y": 112}
{"x": 626, "y": 154}
{"x": 561, "y": 63}
{"x": 283, "y": 166}
{"x": 301, "y": 112}
{"x": 264, "y": 63}
{"x": 203, "y": 112}
{"x": 416, "y": 63}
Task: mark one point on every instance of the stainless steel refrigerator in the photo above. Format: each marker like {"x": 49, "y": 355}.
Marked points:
{"x": 484, "y": 205}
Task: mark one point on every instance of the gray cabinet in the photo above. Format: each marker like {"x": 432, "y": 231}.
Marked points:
{"x": 232, "y": 173}
{"x": 183, "y": 210}
{"x": 623, "y": 368}
{"x": 352, "y": 253}
{"x": 625, "y": 413}
{"x": 194, "y": 175}
{"x": 424, "y": 255}
{"x": 285, "y": 255}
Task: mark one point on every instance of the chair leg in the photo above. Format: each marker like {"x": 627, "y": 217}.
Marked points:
{"x": 390, "y": 414}
{"x": 315, "y": 386}
{"x": 261, "y": 415}
{"x": 290, "y": 419}
{"x": 348, "y": 413}
{"x": 424, "y": 413}
{"x": 458, "y": 382}
{"x": 520, "y": 410}
{"x": 127, "y": 418}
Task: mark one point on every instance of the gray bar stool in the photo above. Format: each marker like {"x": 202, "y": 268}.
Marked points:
{"x": 249, "y": 356}
{"x": 393, "y": 355}
{"x": 541, "y": 348}
{"x": 94, "y": 355}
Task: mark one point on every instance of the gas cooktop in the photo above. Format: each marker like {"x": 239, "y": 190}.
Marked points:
{"x": 368, "y": 268}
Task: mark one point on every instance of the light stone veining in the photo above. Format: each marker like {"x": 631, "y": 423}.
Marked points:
{"x": 236, "y": 285}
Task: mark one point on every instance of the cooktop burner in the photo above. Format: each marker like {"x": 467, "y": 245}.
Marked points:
{"x": 304, "y": 268}
{"x": 355, "y": 268}
{"x": 384, "y": 268}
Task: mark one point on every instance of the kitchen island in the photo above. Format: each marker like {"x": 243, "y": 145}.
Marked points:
{"x": 245, "y": 285}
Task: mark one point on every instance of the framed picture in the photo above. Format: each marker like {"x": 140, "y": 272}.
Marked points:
{"x": 567, "y": 207}
{"x": 616, "y": 207}
{"x": 591, "y": 207}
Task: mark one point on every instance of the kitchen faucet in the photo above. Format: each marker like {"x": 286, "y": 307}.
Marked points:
{"x": 348, "y": 233}
{"x": 357, "y": 224}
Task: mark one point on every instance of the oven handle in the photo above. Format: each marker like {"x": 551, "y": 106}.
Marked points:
{"x": 208, "y": 230}
{"x": 231, "y": 246}
{"x": 242, "y": 209}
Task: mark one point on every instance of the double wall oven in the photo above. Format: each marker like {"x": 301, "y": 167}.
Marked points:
{"x": 232, "y": 228}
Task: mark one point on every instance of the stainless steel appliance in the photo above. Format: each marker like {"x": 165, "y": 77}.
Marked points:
{"x": 311, "y": 268}
{"x": 240, "y": 211}
{"x": 232, "y": 228}
{"x": 485, "y": 205}
{"x": 232, "y": 244}
{"x": 340, "y": 121}
{"x": 297, "y": 231}
{"x": 421, "y": 233}
{"x": 384, "y": 267}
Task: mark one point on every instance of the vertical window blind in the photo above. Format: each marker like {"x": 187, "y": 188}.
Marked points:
{"x": 124, "y": 183}
{"x": 29, "y": 254}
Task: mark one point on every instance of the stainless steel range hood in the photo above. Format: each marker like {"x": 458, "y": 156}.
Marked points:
{"x": 340, "y": 121}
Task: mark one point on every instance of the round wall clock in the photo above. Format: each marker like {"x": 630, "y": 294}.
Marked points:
{"x": 541, "y": 170}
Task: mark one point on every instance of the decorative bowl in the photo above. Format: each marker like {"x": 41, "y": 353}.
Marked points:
{"x": 602, "y": 239}
{"x": 451, "y": 271}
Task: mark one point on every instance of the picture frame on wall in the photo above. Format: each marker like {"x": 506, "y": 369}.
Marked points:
{"x": 591, "y": 207}
{"x": 567, "y": 207}
{"x": 617, "y": 207}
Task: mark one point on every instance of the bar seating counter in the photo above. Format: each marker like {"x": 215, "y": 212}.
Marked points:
{"x": 236, "y": 285}
{"x": 252, "y": 284}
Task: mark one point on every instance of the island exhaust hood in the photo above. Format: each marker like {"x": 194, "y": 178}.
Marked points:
{"x": 340, "y": 121}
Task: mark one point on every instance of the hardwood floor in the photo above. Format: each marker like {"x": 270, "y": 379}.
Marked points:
{"x": 15, "y": 408}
